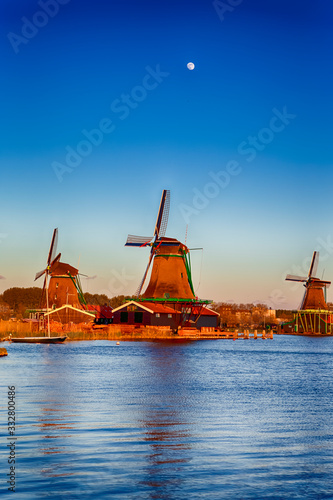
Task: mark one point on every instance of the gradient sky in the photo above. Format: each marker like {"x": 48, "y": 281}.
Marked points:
{"x": 243, "y": 142}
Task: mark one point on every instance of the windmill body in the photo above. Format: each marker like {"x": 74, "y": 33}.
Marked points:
{"x": 61, "y": 288}
{"x": 314, "y": 297}
{"x": 169, "y": 276}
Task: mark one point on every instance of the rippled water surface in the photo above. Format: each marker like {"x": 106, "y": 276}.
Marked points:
{"x": 159, "y": 420}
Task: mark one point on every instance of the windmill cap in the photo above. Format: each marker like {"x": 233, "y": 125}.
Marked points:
{"x": 164, "y": 241}
{"x": 62, "y": 269}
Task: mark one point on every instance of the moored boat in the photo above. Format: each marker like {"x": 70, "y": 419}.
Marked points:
{"x": 39, "y": 340}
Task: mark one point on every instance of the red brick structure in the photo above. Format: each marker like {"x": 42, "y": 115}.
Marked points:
{"x": 164, "y": 314}
{"x": 169, "y": 277}
{"x": 62, "y": 289}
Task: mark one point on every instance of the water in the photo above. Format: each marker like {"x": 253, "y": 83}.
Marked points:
{"x": 160, "y": 420}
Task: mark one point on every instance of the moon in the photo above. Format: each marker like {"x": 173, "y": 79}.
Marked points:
{"x": 190, "y": 65}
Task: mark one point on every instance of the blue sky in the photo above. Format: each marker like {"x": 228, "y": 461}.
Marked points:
{"x": 243, "y": 141}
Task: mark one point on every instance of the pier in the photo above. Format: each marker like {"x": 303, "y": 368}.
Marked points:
{"x": 215, "y": 333}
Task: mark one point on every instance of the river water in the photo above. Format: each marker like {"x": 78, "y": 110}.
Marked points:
{"x": 215, "y": 419}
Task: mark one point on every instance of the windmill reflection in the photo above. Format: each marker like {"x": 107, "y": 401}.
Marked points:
{"x": 167, "y": 429}
{"x": 54, "y": 418}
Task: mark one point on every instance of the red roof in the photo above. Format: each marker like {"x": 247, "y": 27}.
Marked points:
{"x": 204, "y": 311}
{"x": 101, "y": 311}
{"x": 152, "y": 307}
{"x": 160, "y": 308}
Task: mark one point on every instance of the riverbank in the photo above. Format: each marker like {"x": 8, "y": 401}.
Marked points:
{"x": 83, "y": 331}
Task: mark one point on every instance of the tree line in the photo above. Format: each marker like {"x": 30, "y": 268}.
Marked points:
{"x": 16, "y": 301}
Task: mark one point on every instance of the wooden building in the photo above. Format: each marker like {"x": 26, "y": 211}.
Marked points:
{"x": 147, "y": 314}
{"x": 164, "y": 314}
{"x": 69, "y": 314}
{"x": 103, "y": 314}
{"x": 204, "y": 317}
{"x": 170, "y": 276}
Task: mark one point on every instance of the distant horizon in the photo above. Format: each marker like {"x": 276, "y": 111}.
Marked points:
{"x": 228, "y": 302}
{"x": 101, "y": 112}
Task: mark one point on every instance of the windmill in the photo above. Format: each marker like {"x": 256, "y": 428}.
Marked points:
{"x": 314, "y": 297}
{"x": 51, "y": 261}
{"x": 171, "y": 275}
{"x": 61, "y": 282}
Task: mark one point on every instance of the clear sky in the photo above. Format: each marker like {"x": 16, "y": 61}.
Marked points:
{"x": 99, "y": 114}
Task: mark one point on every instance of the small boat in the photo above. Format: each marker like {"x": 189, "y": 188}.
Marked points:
{"x": 39, "y": 340}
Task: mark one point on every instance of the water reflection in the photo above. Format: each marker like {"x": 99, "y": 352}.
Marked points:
{"x": 172, "y": 421}
{"x": 166, "y": 428}
{"x": 53, "y": 420}
{"x": 50, "y": 426}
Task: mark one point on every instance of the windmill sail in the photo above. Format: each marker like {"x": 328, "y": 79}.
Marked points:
{"x": 52, "y": 252}
{"x": 138, "y": 291}
{"x": 163, "y": 214}
{"x": 137, "y": 241}
{"x": 53, "y": 247}
{"x": 291, "y": 277}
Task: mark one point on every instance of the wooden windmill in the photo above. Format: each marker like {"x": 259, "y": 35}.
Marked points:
{"x": 314, "y": 297}
{"x": 61, "y": 282}
{"x": 171, "y": 275}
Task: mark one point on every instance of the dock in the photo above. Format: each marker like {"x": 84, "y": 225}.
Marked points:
{"x": 215, "y": 333}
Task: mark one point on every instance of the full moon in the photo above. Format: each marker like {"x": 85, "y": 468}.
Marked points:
{"x": 190, "y": 65}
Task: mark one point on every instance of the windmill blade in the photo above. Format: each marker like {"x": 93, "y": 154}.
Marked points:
{"x": 138, "y": 291}
{"x": 43, "y": 291}
{"x": 314, "y": 265}
{"x": 163, "y": 215}
{"x": 38, "y": 275}
{"x": 137, "y": 241}
{"x": 55, "y": 260}
{"x": 291, "y": 277}
{"x": 303, "y": 299}
{"x": 321, "y": 283}
{"x": 53, "y": 246}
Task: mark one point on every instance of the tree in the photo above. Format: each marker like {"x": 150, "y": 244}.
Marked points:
{"x": 19, "y": 298}
{"x": 102, "y": 299}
